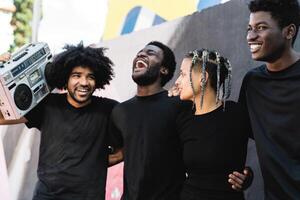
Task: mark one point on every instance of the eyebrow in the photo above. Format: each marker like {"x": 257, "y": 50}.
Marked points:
{"x": 259, "y": 23}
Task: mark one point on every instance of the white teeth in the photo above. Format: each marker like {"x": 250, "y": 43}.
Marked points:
{"x": 82, "y": 90}
{"x": 254, "y": 47}
{"x": 141, "y": 62}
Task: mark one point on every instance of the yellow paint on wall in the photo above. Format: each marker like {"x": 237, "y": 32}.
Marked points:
{"x": 167, "y": 9}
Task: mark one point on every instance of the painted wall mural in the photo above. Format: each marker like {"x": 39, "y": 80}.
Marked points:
{"x": 131, "y": 15}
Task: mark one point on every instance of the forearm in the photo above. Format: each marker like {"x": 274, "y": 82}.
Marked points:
{"x": 115, "y": 158}
{"x": 9, "y": 122}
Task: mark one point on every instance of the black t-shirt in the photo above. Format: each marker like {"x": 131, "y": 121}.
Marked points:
{"x": 214, "y": 145}
{"x": 273, "y": 102}
{"x": 147, "y": 127}
{"x": 73, "y": 149}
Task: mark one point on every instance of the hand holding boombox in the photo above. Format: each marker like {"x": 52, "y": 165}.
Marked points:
{"x": 22, "y": 79}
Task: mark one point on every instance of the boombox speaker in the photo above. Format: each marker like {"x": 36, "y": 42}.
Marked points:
{"x": 22, "y": 80}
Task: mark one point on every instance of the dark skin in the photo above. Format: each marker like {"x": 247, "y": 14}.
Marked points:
{"x": 113, "y": 159}
{"x": 237, "y": 179}
{"x": 150, "y": 56}
{"x": 153, "y": 55}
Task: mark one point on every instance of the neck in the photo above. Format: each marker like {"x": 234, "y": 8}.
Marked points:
{"x": 209, "y": 103}
{"x": 287, "y": 59}
{"x": 76, "y": 104}
{"x": 149, "y": 89}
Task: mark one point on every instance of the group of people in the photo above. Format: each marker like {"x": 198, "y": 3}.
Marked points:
{"x": 188, "y": 143}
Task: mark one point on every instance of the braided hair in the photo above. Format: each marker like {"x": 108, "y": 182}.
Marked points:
{"x": 218, "y": 69}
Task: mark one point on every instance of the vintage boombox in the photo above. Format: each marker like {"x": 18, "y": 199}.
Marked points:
{"x": 22, "y": 80}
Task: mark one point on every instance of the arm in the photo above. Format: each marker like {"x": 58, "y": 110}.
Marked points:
{"x": 115, "y": 158}
{"x": 241, "y": 181}
{"x": 9, "y": 122}
{"x": 115, "y": 140}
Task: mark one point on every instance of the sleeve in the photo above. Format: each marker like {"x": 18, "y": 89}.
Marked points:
{"x": 185, "y": 113}
{"x": 244, "y": 106}
{"x": 35, "y": 116}
{"x": 115, "y": 138}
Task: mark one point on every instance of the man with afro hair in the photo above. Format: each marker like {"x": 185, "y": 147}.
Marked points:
{"x": 73, "y": 156}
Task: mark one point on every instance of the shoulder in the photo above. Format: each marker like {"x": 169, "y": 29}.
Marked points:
{"x": 124, "y": 105}
{"x": 235, "y": 108}
{"x": 103, "y": 102}
{"x": 260, "y": 70}
{"x": 53, "y": 98}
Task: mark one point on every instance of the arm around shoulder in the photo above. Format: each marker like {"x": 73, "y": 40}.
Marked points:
{"x": 116, "y": 157}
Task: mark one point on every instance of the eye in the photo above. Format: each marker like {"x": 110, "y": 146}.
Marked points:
{"x": 92, "y": 77}
{"x": 261, "y": 27}
{"x": 249, "y": 28}
{"x": 75, "y": 75}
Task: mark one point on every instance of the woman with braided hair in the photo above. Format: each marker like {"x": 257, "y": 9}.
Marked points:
{"x": 215, "y": 139}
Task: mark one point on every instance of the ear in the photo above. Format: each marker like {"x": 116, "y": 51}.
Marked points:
{"x": 289, "y": 31}
{"x": 204, "y": 79}
{"x": 164, "y": 71}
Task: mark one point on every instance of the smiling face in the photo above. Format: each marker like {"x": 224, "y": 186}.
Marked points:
{"x": 80, "y": 86}
{"x": 265, "y": 38}
{"x": 147, "y": 65}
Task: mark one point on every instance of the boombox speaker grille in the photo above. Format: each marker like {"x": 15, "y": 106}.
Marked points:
{"x": 23, "y": 97}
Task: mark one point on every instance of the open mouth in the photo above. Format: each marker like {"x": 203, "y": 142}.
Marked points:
{"x": 140, "y": 64}
{"x": 83, "y": 91}
{"x": 254, "y": 47}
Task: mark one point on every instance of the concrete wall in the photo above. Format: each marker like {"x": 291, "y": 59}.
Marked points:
{"x": 222, "y": 28}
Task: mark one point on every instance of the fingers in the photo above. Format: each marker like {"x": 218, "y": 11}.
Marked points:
{"x": 5, "y": 57}
{"x": 236, "y": 179}
{"x": 174, "y": 91}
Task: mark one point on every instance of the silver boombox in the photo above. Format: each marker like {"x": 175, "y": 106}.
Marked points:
{"x": 22, "y": 80}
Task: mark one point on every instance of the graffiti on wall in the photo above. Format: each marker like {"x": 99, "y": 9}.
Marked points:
{"x": 127, "y": 16}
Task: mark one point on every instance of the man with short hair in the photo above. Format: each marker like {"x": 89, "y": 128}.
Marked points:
{"x": 147, "y": 126}
{"x": 73, "y": 156}
{"x": 271, "y": 94}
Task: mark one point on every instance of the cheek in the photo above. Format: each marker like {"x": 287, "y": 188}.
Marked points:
{"x": 186, "y": 92}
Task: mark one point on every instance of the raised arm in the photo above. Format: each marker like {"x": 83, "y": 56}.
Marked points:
{"x": 9, "y": 122}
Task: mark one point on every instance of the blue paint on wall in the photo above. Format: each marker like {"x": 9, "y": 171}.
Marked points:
{"x": 130, "y": 20}
{"x": 202, "y": 4}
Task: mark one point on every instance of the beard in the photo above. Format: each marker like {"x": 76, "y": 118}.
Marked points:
{"x": 150, "y": 76}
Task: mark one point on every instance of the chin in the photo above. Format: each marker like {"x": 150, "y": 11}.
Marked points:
{"x": 183, "y": 97}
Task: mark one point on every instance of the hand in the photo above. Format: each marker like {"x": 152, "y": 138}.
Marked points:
{"x": 174, "y": 91}
{"x": 5, "y": 57}
{"x": 241, "y": 181}
{"x": 116, "y": 157}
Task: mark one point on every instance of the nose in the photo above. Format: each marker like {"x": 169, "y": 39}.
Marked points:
{"x": 141, "y": 54}
{"x": 251, "y": 35}
{"x": 83, "y": 81}
{"x": 177, "y": 82}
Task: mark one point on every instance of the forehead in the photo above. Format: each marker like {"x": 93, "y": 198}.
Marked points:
{"x": 152, "y": 48}
{"x": 186, "y": 64}
{"x": 261, "y": 17}
{"x": 82, "y": 69}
